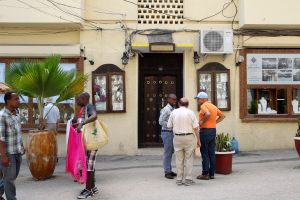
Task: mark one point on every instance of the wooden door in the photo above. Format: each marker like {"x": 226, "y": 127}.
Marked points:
{"x": 157, "y": 89}
{"x": 155, "y": 86}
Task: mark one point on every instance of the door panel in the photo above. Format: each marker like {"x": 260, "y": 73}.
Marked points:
{"x": 159, "y": 75}
{"x": 157, "y": 89}
{"x": 150, "y": 112}
{"x": 167, "y": 86}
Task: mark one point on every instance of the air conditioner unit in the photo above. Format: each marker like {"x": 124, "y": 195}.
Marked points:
{"x": 216, "y": 41}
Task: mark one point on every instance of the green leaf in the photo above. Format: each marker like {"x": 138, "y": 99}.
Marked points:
{"x": 43, "y": 79}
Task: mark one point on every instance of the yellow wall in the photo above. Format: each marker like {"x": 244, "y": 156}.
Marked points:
{"x": 39, "y": 12}
{"x": 122, "y": 127}
{"x": 26, "y": 36}
{"x": 269, "y": 13}
{"x": 107, "y": 46}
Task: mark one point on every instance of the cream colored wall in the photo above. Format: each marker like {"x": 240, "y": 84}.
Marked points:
{"x": 26, "y": 38}
{"x": 42, "y": 11}
{"x": 270, "y": 14}
{"x": 251, "y": 136}
{"x": 107, "y": 47}
{"x": 199, "y": 9}
{"x": 272, "y": 42}
{"x": 119, "y": 9}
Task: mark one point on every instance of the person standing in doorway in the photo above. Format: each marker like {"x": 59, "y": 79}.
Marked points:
{"x": 167, "y": 136}
{"x": 185, "y": 127}
{"x": 209, "y": 116}
{"x": 89, "y": 115}
{"x": 52, "y": 115}
{"x": 11, "y": 145}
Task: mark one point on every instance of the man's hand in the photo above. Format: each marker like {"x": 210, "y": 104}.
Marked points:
{"x": 5, "y": 160}
{"x": 200, "y": 123}
{"x": 198, "y": 143}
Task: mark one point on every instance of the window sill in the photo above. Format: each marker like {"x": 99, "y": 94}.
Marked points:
{"x": 271, "y": 119}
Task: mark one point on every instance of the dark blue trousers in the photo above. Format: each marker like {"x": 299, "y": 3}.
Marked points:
{"x": 208, "y": 144}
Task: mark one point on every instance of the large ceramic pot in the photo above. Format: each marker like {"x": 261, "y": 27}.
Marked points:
{"x": 41, "y": 153}
{"x": 224, "y": 162}
{"x": 297, "y": 144}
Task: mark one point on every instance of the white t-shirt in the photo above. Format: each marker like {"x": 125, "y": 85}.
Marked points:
{"x": 53, "y": 115}
{"x": 183, "y": 120}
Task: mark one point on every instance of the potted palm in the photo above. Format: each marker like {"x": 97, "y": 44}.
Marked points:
{"x": 297, "y": 138}
{"x": 224, "y": 154}
{"x": 41, "y": 80}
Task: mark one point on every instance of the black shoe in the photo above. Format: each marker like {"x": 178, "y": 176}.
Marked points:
{"x": 84, "y": 194}
{"x": 169, "y": 176}
{"x": 211, "y": 177}
{"x": 203, "y": 177}
{"x": 95, "y": 190}
{"x": 173, "y": 174}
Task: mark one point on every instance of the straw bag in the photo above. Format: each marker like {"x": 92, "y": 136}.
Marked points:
{"x": 95, "y": 135}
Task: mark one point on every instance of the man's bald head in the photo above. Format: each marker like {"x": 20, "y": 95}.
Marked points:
{"x": 184, "y": 102}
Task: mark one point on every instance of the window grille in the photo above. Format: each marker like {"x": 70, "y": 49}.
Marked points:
{"x": 160, "y": 11}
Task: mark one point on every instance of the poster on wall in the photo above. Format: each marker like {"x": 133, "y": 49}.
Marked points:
{"x": 100, "y": 95}
{"x": 117, "y": 91}
{"x": 273, "y": 68}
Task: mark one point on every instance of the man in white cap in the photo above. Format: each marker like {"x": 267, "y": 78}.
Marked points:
{"x": 209, "y": 116}
{"x": 52, "y": 115}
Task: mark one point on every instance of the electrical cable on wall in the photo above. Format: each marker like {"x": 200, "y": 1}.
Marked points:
{"x": 96, "y": 11}
{"x": 49, "y": 14}
{"x": 225, "y": 6}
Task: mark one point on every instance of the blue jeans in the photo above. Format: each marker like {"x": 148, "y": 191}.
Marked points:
{"x": 167, "y": 138}
{"x": 10, "y": 174}
{"x": 208, "y": 144}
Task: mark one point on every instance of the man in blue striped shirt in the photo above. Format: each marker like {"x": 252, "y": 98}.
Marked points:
{"x": 167, "y": 136}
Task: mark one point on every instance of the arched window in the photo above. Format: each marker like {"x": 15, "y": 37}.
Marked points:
{"x": 214, "y": 79}
{"x": 108, "y": 85}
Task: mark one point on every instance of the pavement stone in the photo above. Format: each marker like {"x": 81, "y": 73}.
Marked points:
{"x": 259, "y": 175}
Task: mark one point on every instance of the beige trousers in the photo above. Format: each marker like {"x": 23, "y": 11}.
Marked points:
{"x": 184, "y": 150}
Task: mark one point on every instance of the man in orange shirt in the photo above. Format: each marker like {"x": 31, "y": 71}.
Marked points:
{"x": 209, "y": 116}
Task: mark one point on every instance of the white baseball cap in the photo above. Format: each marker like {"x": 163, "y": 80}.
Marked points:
{"x": 201, "y": 95}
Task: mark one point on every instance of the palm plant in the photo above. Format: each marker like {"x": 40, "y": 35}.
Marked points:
{"x": 44, "y": 79}
{"x": 223, "y": 142}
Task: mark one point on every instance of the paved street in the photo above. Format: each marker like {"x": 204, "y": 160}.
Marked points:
{"x": 262, "y": 175}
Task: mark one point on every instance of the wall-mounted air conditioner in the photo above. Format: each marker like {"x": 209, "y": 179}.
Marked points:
{"x": 216, "y": 41}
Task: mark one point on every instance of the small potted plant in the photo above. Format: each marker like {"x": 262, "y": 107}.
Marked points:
{"x": 224, "y": 154}
{"x": 297, "y": 138}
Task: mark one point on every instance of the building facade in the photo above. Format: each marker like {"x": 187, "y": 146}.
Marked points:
{"x": 247, "y": 57}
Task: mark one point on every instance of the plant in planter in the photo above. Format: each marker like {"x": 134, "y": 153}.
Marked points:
{"x": 252, "y": 109}
{"x": 223, "y": 154}
{"x": 297, "y": 138}
{"x": 41, "y": 80}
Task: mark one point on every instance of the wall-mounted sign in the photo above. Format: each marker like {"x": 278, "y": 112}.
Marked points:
{"x": 273, "y": 68}
{"x": 162, "y": 47}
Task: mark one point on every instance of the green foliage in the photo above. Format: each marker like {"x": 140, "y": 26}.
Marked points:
{"x": 298, "y": 130}
{"x": 44, "y": 79}
{"x": 223, "y": 143}
{"x": 253, "y": 107}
